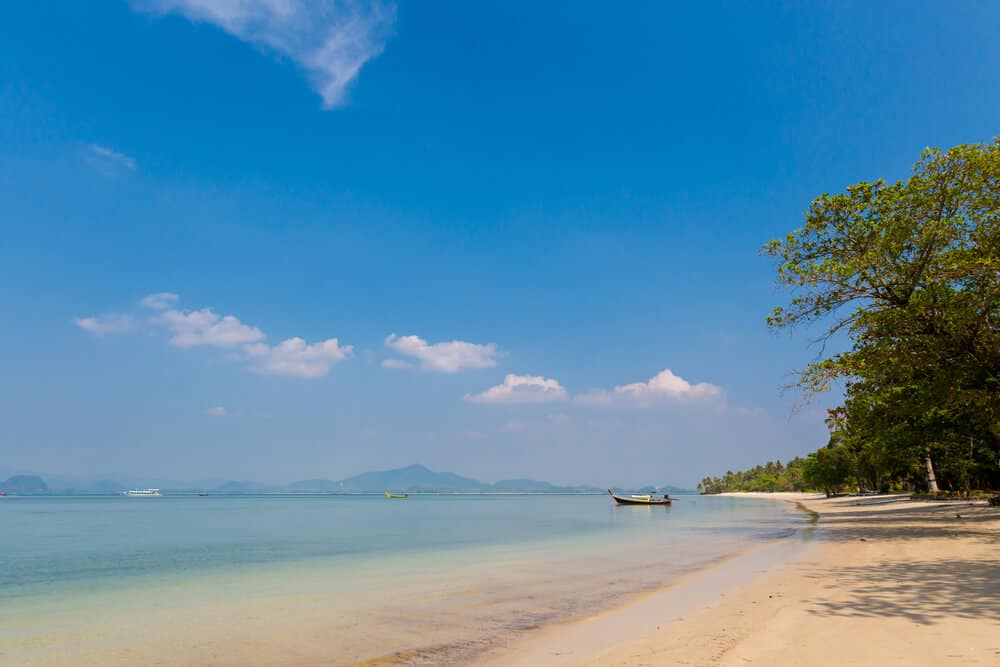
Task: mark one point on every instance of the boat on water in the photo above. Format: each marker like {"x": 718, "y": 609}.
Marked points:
{"x": 143, "y": 493}
{"x": 396, "y": 495}
{"x": 641, "y": 499}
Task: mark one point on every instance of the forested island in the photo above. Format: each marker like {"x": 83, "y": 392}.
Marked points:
{"x": 908, "y": 275}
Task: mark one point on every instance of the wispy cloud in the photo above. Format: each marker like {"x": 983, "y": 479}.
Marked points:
{"x": 330, "y": 40}
{"x": 160, "y": 300}
{"x": 296, "y": 357}
{"x": 665, "y": 386}
{"x": 521, "y": 389}
{"x": 217, "y": 411}
{"x": 103, "y": 325}
{"x": 446, "y": 357}
{"x": 110, "y": 156}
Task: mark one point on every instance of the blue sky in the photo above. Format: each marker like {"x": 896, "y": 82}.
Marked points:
{"x": 556, "y": 210}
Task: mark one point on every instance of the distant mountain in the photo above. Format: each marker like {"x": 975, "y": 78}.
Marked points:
{"x": 241, "y": 487}
{"x": 315, "y": 485}
{"x": 112, "y": 482}
{"x": 420, "y": 478}
{"x": 24, "y": 485}
{"x": 108, "y": 486}
{"x": 541, "y": 487}
{"x": 411, "y": 478}
{"x": 523, "y": 485}
{"x": 672, "y": 490}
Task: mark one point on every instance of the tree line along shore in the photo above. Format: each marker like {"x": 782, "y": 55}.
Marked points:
{"x": 905, "y": 278}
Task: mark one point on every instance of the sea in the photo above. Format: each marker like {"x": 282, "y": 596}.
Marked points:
{"x": 339, "y": 579}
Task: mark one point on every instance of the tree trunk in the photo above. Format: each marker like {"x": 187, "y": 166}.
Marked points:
{"x": 931, "y": 479}
{"x": 968, "y": 469}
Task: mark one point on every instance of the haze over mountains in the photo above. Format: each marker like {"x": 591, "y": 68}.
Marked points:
{"x": 412, "y": 478}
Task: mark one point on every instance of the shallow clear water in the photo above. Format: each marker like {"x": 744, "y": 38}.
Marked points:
{"x": 355, "y": 567}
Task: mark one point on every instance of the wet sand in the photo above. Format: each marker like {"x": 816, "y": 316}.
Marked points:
{"x": 887, "y": 581}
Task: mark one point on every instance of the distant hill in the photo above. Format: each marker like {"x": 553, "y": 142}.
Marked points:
{"x": 112, "y": 482}
{"x": 540, "y": 487}
{"x": 420, "y": 478}
{"x": 107, "y": 486}
{"x": 315, "y": 485}
{"x": 24, "y": 485}
{"x": 411, "y": 478}
{"x": 672, "y": 490}
{"x": 523, "y": 485}
{"x": 241, "y": 487}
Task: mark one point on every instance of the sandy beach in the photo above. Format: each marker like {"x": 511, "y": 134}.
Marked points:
{"x": 883, "y": 581}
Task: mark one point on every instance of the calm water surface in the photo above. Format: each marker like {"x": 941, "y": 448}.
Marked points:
{"x": 362, "y": 569}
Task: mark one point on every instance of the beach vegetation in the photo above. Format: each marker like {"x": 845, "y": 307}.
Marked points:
{"x": 905, "y": 277}
{"x": 829, "y": 469}
{"x": 772, "y": 476}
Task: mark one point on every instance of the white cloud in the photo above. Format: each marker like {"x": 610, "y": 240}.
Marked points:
{"x": 160, "y": 300}
{"x": 243, "y": 342}
{"x": 205, "y": 327}
{"x": 102, "y": 325}
{"x": 665, "y": 386}
{"x": 112, "y": 156}
{"x": 330, "y": 40}
{"x": 521, "y": 389}
{"x": 449, "y": 357}
{"x": 217, "y": 411}
{"x": 296, "y": 357}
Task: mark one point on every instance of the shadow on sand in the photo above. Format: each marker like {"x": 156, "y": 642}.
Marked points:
{"x": 923, "y": 591}
{"x": 951, "y": 520}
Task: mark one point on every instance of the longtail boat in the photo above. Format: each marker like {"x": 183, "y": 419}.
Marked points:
{"x": 396, "y": 495}
{"x": 641, "y": 500}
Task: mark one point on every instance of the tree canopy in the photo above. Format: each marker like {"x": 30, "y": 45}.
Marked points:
{"x": 910, "y": 273}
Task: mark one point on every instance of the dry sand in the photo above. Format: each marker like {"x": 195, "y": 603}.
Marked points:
{"x": 886, "y": 581}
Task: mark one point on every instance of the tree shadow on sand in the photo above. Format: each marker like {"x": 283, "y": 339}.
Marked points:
{"x": 948, "y": 521}
{"x": 923, "y": 592}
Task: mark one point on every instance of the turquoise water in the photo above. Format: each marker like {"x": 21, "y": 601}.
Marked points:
{"x": 74, "y": 541}
{"x": 475, "y": 562}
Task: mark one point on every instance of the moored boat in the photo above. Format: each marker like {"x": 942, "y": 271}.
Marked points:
{"x": 641, "y": 499}
{"x": 143, "y": 493}
{"x": 396, "y": 495}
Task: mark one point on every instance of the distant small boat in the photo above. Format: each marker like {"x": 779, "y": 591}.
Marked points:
{"x": 641, "y": 500}
{"x": 143, "y": 493}
{"x": 396, "y": 495}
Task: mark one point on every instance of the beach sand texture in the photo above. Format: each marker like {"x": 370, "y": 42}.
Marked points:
{"x": 888, "y": 581}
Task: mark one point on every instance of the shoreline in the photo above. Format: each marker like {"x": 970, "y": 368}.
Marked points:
{"x": 924, "y": 572}
{"x": 568, "y": 642}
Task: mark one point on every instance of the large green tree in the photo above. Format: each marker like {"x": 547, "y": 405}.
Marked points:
{"x": 910, "y": 272}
